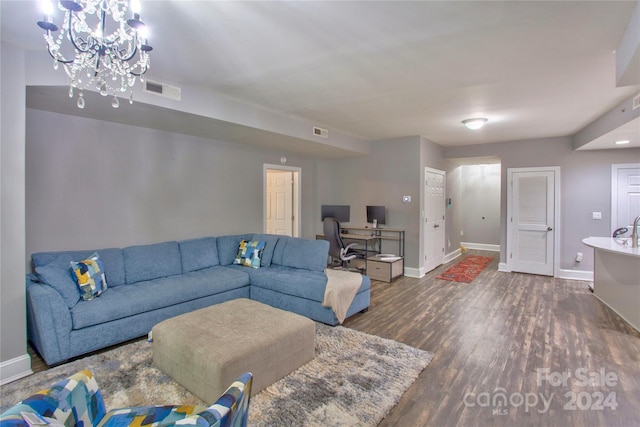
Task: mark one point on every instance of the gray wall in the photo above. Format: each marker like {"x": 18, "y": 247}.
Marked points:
{"x": 395, "y": 168}
{"x": 95, "y": 184}
{"x": 480, "y": 205}
{"x": 382, "y": 178}
{"x": 585, "y": 179}
{"x": 13, "y": 328}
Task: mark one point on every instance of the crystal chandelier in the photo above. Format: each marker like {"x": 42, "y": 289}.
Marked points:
{"x": 108, "y": 54}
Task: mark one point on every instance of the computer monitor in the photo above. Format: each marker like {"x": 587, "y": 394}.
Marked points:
{"x": 377, "y": 213}
{"x": 340, "y": 212}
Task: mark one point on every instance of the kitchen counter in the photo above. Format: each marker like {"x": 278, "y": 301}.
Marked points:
{"x": 612, "y": 245}
{"x": 616, "y": 276}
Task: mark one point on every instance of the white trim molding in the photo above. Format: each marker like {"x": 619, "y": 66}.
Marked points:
{"x": 452, "y": 255}
{"x": 413, "y": 272}
{"x": 575, "y": 275}
{"x": 481, "y": 246}
{"x": 14, "y": 369}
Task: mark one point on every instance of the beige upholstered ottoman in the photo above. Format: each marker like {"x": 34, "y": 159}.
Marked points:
{"x": 207, "y": 349}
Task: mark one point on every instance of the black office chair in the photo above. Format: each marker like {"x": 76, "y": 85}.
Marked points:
{"x": 337, "y": 249}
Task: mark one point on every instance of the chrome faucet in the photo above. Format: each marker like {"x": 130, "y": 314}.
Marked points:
{"x": 634, "y": 234}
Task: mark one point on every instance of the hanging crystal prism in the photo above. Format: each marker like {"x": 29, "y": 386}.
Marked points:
{"x": 115, "y": 103}
{"x": 81, "y": 99}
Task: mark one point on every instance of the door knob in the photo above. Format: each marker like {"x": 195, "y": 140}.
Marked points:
{"x": 436, "y": 225}
{"x": 549, "y": 228}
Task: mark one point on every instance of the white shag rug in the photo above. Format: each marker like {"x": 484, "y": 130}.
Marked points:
{"x": 354, "y": 380}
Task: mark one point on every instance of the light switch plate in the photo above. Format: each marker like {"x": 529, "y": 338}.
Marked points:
{"x": 596, "y": 215}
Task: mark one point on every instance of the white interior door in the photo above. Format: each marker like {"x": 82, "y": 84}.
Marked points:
{"x": 282, "y": 200}
{"x": 434, "y": 218}
{"x": 625, "y": 200}
{"x": 531, "y": 227}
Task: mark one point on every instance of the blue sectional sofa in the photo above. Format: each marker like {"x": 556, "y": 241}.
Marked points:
{"x": 150, "y": 283}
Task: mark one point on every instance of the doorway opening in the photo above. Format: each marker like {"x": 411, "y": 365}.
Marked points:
{"x": 281, "y": 201}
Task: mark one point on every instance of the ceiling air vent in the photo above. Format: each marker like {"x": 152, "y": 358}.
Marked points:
{"x": 322, "y": 133}
{"x": 163, "y": 90}
{"x": 636, "y": 101}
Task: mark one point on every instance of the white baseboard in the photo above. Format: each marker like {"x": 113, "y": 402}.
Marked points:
{"x": 452, "y": 255}
{"x": 575, "y": 275}
{"x": 503, "y": 267}
{"x": 481, "y": 246}
{"x": 413, "y": 272}
{"x": 14, "y": 369}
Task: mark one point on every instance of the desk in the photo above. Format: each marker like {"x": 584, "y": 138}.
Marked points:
{"x": 369, "y": 238}
{"x": 382, "y": 234}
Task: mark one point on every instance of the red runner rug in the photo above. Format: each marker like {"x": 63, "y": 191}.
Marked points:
{"x": 467, "y": 269}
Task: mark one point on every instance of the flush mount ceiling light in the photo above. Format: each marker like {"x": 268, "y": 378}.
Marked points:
{"x": 105, "y": 46}
{"x": 475, "y": 123}
{"x": 622, "y": 142}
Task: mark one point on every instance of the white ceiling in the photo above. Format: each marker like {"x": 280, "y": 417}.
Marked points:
{"x": 377, "y": 70}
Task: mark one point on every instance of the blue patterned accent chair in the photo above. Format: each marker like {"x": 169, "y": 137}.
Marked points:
{"x": 78, "y": 401}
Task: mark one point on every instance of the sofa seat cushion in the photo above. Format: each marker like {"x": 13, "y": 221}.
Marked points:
{"x": 125, "y": 301}
{"x": 293, "y": 281}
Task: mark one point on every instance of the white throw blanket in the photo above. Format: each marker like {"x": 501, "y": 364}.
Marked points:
{"x": 341, "y": 289}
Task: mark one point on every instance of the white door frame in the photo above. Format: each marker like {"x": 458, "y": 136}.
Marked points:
{"x": 441, "y": 223}
{"x": 297, "y": 179}
{"x": 556, "y": 214}
{"x": 614, "y": 189}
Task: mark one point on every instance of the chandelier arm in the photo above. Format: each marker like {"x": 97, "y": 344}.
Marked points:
{"x": 96, "y": 70}
{"x": 73, "y": 39}
{"x": 117, "y": 51}
{"x": 133, "y": 73}
{"x": 60, "y": 58}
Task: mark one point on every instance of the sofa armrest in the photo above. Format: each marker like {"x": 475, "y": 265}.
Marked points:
{"x": 76, "y": 400}
{"x": 48, "y": 322}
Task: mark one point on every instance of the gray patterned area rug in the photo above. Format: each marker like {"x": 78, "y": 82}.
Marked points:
{"x": 354, "y": 380}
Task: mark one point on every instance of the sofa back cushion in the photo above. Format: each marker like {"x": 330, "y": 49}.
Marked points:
{"x": 57, "y": 274}
{"x": 112, "y": 258}
{"x": 198, "y": 254}
{"x": 228, "y": 247}
{"x": 271, "y": 240}
{"x": 302, "y": 253}
{"x": 148, "y": 262}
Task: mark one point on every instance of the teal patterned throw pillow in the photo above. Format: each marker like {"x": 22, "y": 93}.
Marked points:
{"x": 249, "y": 253}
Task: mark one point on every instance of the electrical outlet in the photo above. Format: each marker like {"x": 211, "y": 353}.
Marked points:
{"x": 596, "y": 215}
{"x": 579, "y": 257}
{"x": 461, "y": 233}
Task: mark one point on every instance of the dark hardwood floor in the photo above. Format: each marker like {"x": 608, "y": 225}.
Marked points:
{"x": 561, "y": 357}
{"x": 558, "y": 355}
